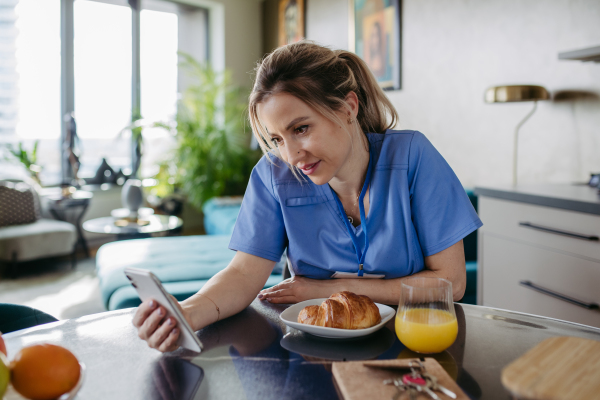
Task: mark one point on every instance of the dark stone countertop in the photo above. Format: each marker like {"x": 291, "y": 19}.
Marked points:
{"x": 573, "y": 197}
{"x": 253, "y": 355}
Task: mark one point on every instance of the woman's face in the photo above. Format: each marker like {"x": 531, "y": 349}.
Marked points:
{"x": 305, "y": 138}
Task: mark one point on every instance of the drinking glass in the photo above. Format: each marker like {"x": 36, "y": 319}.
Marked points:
{"x": 426, "y": 322}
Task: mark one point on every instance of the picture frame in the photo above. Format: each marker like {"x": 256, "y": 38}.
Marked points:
{"x": 375, "y": 35}
{"x": 291, "y": 21}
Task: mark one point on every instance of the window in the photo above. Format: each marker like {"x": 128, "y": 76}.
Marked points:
{"x": 101, "y": 42}
{"x": 102, "y": 60}
{"x": 30, "y": 80}
{"x": 158, "y": 72}
{"x": 165, "y": 29}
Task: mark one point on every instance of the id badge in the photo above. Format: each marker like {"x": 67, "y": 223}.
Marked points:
{"x": 353, "y": 275}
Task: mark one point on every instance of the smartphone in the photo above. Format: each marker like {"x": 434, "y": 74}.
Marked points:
{"x": 148, "y": 286}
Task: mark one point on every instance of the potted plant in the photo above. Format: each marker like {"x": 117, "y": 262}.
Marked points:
{"x": 212, "y": 153}
{"x": 27, "y": 158}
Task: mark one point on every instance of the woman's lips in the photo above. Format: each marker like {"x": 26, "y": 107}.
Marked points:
{"x": 310, "y": 168}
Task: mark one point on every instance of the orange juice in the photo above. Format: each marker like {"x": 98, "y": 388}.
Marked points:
{"x": 426, "y": 330}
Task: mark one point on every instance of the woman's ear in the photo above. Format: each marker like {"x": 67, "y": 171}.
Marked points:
{"x": 352, "y": 101}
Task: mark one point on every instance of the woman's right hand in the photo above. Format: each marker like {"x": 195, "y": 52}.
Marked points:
{"x": 156, "y": 327}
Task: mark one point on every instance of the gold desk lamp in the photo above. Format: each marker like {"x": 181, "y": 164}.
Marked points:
{"x": 516, "y": 93}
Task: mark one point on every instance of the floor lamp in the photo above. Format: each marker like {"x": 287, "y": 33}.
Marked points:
{"x": 517, "y": 93}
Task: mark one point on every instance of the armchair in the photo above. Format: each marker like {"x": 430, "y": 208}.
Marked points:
{"x": 24, "y": 236}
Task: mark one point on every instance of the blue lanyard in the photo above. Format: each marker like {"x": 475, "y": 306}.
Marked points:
{"x": 360, "y": 256}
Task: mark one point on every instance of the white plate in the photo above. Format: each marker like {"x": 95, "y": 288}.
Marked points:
{"x": 290, "y": 318}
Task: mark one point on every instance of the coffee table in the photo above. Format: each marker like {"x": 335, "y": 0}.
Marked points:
{"x": 254, "y": 355}
{"x": 166, "y": 224}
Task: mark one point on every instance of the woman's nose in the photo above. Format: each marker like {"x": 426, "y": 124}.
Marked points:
{"x": 295, "y": 153}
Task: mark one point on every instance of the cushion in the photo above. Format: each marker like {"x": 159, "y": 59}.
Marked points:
{"x": 470, "y": 241}
{"x": 470, "y": 296}
{"x": 43, "y": 238}
{"x": 220, "y": 215}
{"x": 17, "y": 204}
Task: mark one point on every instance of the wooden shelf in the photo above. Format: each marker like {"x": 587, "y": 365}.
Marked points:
{"x": 589, "y": 54}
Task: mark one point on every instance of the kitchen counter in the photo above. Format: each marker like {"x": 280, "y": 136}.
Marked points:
{"x": 572, "y": 197}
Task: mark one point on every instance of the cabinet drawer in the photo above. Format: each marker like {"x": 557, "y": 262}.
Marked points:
{"x": 507, "y": 218}
{"x": 506, "y": 263}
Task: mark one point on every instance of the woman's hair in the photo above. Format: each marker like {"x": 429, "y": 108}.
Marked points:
{"x": 322, "y": 78}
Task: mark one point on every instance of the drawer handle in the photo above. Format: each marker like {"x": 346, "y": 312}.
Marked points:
{"x": 533, "y": 286}
{"x": 556, "y": 231}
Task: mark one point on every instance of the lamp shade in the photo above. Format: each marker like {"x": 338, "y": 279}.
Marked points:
{"x": 514, "y": 93}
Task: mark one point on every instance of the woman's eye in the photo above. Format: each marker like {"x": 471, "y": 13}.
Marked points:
{"x": 276, "y": 141}
{"x": 301, "y": 129}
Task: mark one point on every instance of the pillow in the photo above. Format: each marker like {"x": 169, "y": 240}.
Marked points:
{"x": 18, "y": 204}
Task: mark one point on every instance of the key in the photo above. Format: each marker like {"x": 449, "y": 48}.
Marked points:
{"x": 399, "y": 386}
{"x": 401, "y": 389}
{"x": 433, "y": 384}
{"x": 420, "y": 385}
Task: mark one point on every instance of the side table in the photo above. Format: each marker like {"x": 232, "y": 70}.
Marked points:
{"x": 157, "y": 224}
{"x": 71, "y": 208}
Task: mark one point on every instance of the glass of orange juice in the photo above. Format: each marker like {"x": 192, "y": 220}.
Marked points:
{"x": 425, "y": 321}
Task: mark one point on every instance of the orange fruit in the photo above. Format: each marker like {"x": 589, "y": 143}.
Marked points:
{"x": 44, "y": 371}
{"x": 2, "y": 346}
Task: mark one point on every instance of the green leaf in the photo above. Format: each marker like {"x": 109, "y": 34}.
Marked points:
{"x": 212, "y": 156}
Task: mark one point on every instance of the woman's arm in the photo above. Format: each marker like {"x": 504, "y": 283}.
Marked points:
{"x": 232, "y": 290}
{"x": 448, "y": 264}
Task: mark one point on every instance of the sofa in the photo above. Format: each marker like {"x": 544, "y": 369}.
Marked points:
{"x": 470, "y": 245}
{"x": 24, "y": 235}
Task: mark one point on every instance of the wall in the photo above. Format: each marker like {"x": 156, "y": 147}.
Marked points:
{"x": 271, "y": 24}
{"x": 236, "y": 39}
{"x": 454, "y": 49}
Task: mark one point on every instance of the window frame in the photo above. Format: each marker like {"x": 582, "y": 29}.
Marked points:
{"x": 214, "y": 35}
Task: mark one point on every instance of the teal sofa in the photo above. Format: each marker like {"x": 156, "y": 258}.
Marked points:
{"x": 470, "y": 244}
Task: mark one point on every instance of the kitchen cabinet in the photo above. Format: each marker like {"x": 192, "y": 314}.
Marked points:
{"x": 539, "y": 251}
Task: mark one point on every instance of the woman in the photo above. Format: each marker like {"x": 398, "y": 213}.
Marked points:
{"x": 330, "y": 165}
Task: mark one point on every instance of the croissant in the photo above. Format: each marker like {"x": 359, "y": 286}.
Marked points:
{"x": 344, "y": 310}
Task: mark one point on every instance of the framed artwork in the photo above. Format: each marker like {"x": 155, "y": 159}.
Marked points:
{"x": 376, "y": 37}
{"x": 291, "y": 21}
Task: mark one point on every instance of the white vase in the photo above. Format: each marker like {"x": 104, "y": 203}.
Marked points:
{"x": 132, "y": 195}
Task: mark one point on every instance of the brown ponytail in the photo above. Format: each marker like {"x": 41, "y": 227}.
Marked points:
{"x": 322, "y": 78}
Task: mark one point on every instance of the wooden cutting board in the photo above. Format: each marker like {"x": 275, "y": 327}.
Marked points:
{"x": 359, "y": 380}
{"x": 559, "y": 368}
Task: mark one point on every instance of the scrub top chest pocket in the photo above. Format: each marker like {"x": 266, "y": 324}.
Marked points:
{"x": 305, "y": 201}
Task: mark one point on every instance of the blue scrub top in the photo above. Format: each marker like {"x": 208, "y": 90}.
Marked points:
{"x": 418, "y": 207}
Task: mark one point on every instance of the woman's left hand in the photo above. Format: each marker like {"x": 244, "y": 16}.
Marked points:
{"x": 298, "y": 288}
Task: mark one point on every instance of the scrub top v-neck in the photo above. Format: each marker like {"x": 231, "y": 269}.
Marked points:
{"x": 418, "y": 207}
